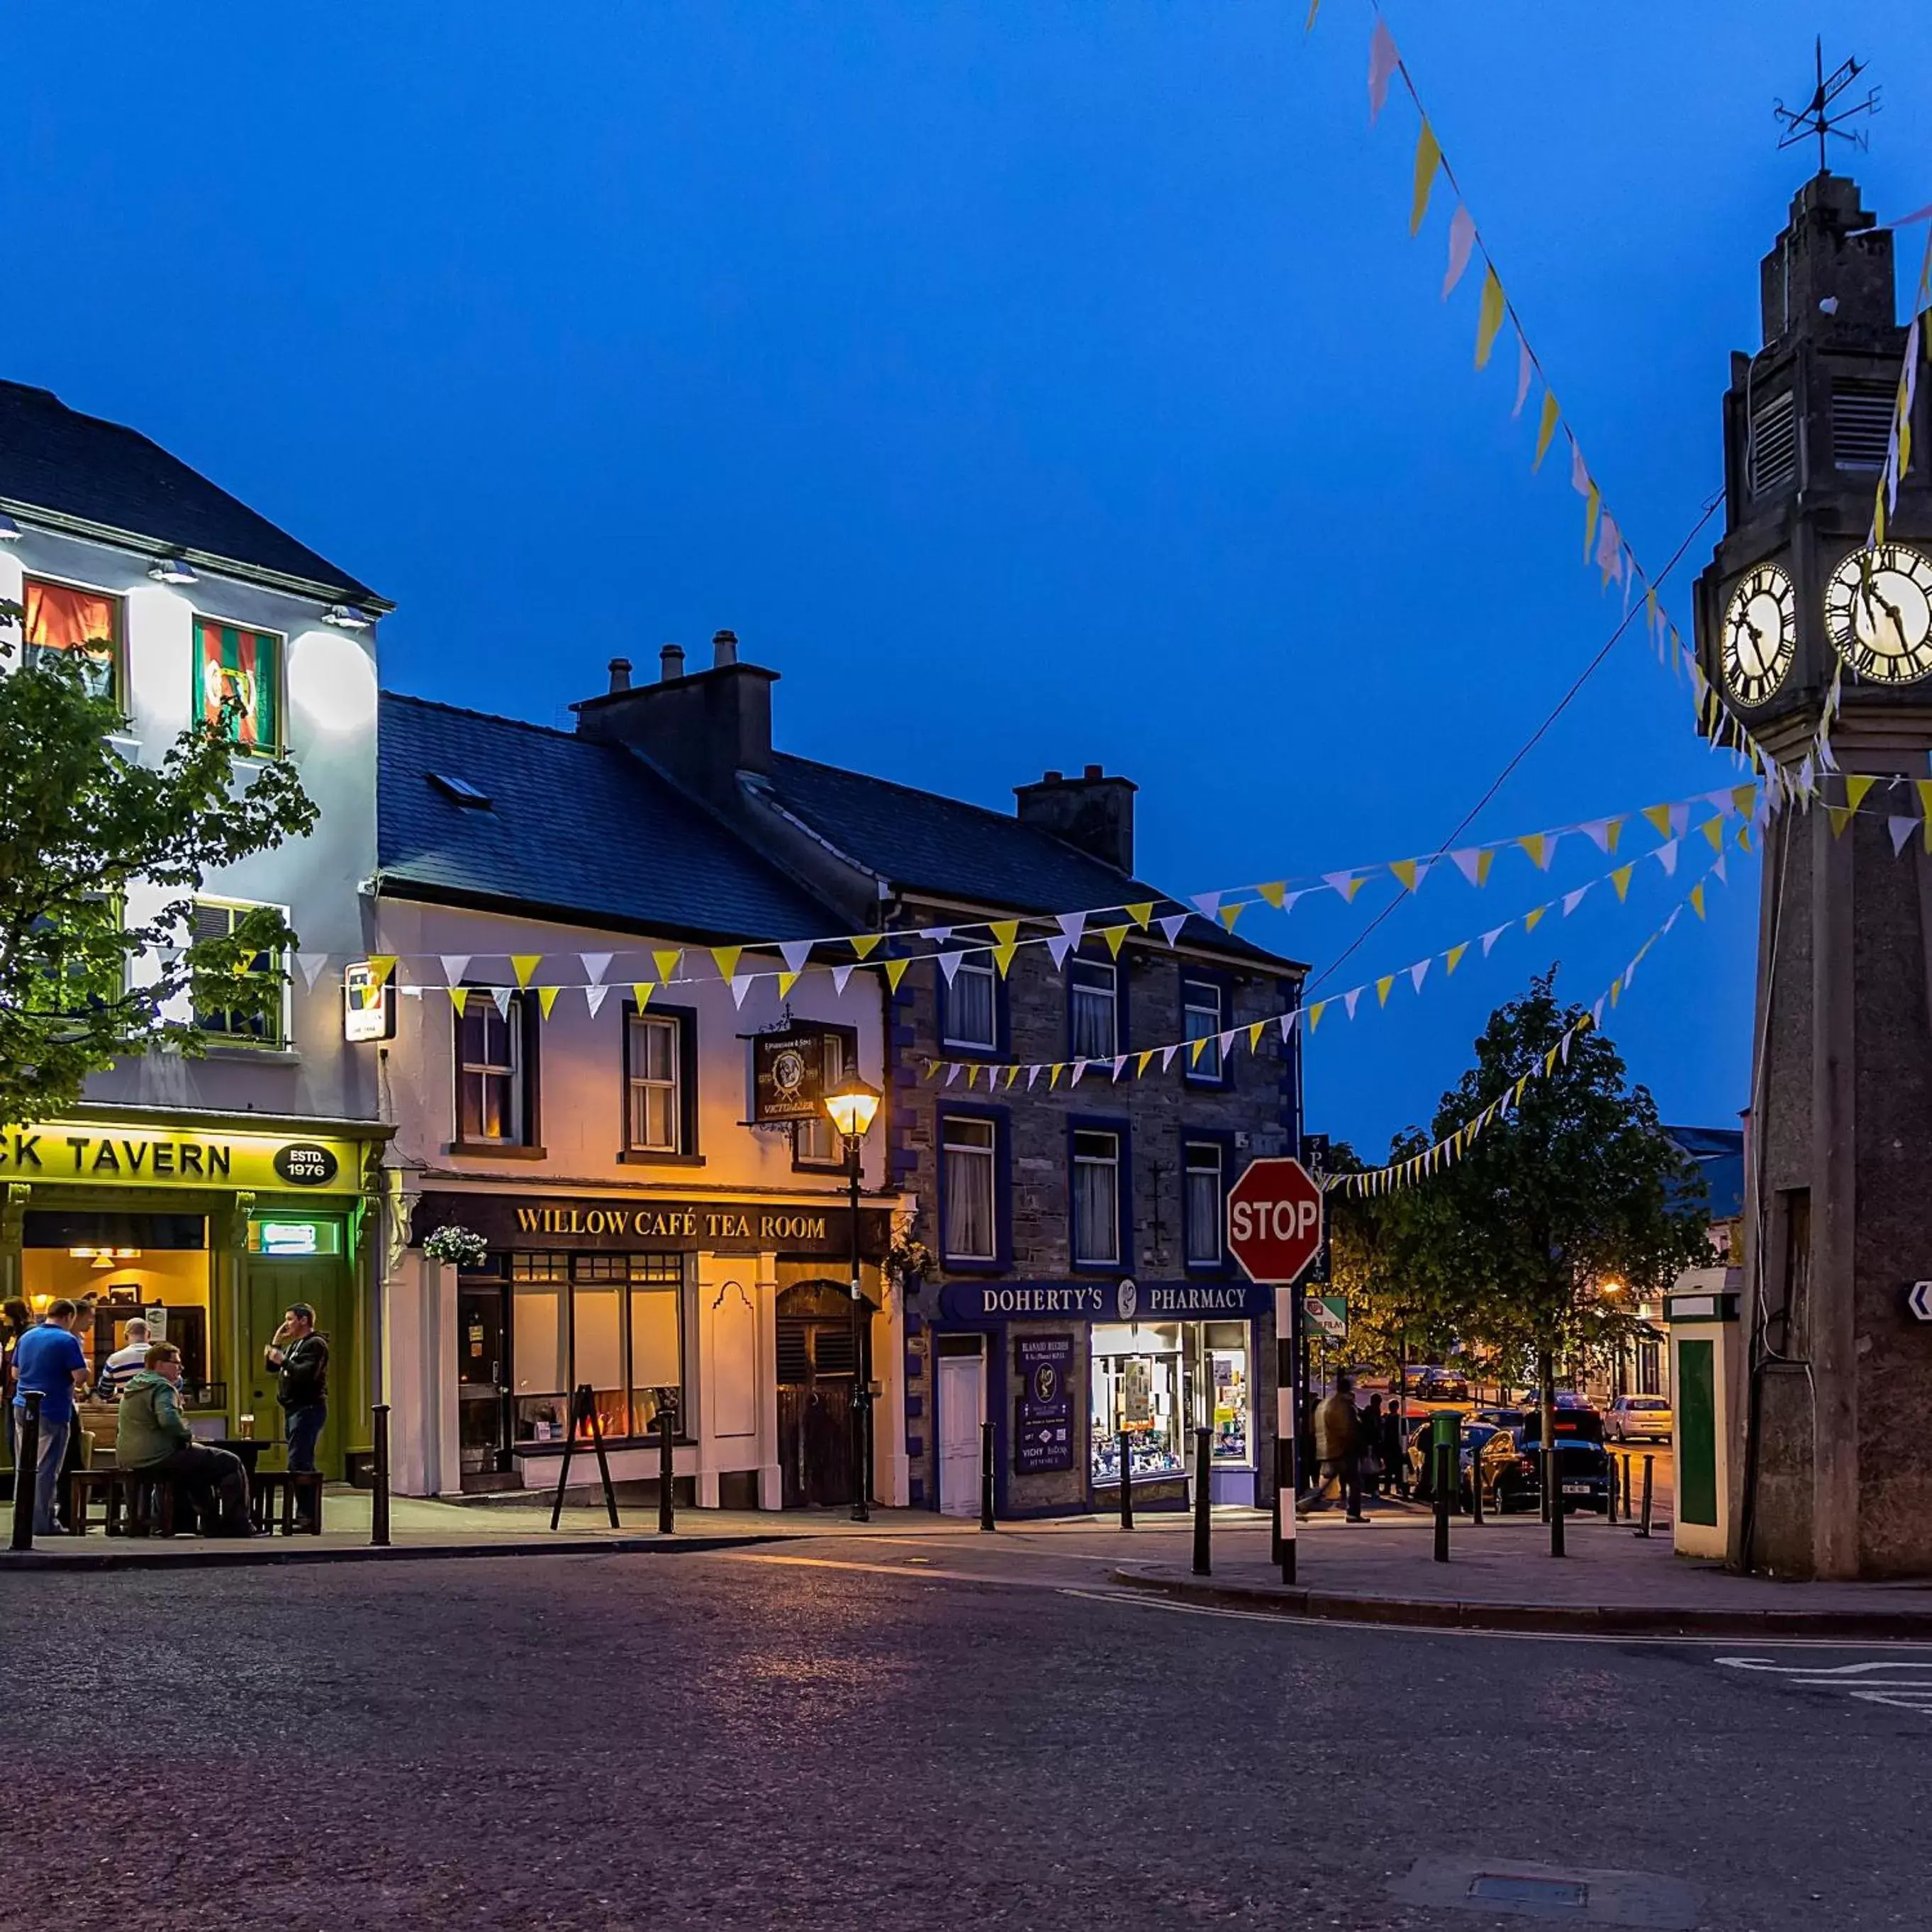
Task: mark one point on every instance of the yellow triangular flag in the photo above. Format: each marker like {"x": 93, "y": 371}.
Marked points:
{"x": 1743, "y": 797}
{"x": 1012, "y": 1074}
{"x": 1532, "y": 920}
{"x": 547, "y": 998}
{"x": 459, "y": 998}
{"x": 1621, "y": 879}
{"x": 1536, "y": 844}
{"x": 1141, "y": 913}
{"x": 1003, "y": 957}
{"x": 1454, "y": 955}
{"x": 1925, "y": 788}
{"x": 895, "y": 971}
{"x": 1229, "y": 914}
{"x": 1489, "y": 317}
{"x": 1275, "y": 892}
{"x": 1520, "y": 1085}
{"x": 1855, "y": 788}
{"x": 1428, "y": 159}
{"x": 642, "y": 991}
{"x": 1545, "y": 426}
{"x": 381, "y": 965}
{"x": 1616, "y": 989}
{"x": 1713, "y": 829}
{"x": 668, "y": 963}
{"x": 1315, "y": 1013}
{"x": 1405, "y": 870}
{"x": 1053, "y": 1074}
{"x": 1195, "y": 1049}
{"x": 725, "y": 958}
{"x": 1613, "y": 830}
{"x": 1113, "y": 935}
{"x": 865, "y": 944}
{"x": 1659, "y": 817}
{"x": 1486, "y": 857}
{"x": 1840, "y": 816}
{"x": 1744, "y": 838}
{"x": 1255, "y": 1035}
{"x": 1005, "y": 931}
{"x": 1549, "y": 1060}
{"x": 786, "y": 982}
{"x": 1383, "y": 987}
{"x": 1697, "y": 899}
{"x": 1144, "y": 1059}
{"x": 524, "y": 965}
{"x": 1592, "y": 504}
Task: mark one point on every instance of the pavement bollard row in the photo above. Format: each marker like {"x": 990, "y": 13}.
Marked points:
{"x": 666, "y": 1471}
{"x": 1643, "y": 1528}
{"x": 1445, "y": 1475}
{"x": 1553, "y": 1488}
{"x": 1204, "y": 1465}
{"x": 26, "y": 1471}
{"x": 1126, "y": 1486}
{"x": 985, "y": 1475}
{"x": 379, "y": 1477}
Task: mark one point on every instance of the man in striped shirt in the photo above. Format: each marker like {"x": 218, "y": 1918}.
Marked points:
{"x": 124, "y": 1364}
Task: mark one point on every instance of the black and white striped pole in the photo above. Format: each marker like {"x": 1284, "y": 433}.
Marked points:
{"x": 1288, "y": 1422}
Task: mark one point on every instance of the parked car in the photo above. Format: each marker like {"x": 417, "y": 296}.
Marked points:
{"x": 1648, "y": 1416}
{"x": 1583, "y": 1464}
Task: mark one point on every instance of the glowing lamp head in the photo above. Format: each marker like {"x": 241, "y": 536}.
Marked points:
{"x": 851, "y": 1105}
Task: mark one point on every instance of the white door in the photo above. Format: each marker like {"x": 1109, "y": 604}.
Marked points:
{"x": 961, "y": 1406}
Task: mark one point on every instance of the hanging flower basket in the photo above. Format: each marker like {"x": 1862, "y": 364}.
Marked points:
{"x": 463, "y": 1247}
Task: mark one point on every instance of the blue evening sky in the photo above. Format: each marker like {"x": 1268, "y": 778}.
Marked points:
{"x": 1031, "y": 383}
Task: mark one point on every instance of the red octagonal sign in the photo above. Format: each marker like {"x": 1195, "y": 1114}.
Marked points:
{"x": 1274, "y": 1219}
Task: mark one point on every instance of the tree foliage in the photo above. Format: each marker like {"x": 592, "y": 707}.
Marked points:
{"x": 1540, "y": 1239}
{"x": 82, "y": 985}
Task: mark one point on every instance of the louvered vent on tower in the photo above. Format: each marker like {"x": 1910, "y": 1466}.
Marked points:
{"x": 1861, "y": 416}
{"x": 1773, "y": 460}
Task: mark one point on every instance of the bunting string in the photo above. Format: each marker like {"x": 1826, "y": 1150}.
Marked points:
{"x": 1430, "y": 1161}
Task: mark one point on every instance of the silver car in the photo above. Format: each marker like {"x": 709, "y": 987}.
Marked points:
{"x": 1631, "y": 1416}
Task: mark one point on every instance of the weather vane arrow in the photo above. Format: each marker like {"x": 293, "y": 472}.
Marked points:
{"x": 1826, "y": 113}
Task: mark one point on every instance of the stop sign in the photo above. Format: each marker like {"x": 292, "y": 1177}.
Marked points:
{"x": 1274, "y": 1219}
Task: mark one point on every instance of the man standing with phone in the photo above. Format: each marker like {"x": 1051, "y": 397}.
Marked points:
{"x": 300, "y": 1356}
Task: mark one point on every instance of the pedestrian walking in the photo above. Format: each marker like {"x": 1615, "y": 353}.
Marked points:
{"x": 1338, "y": 1437}
{"x": 49, "y": 1361}
{"x": 1395, "y": 1450}
{"x": 299, "y": 1355}
{"x": 1373, "y": 1467}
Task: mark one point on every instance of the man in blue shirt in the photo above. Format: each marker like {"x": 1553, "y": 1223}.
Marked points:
{"x": 49, "y": 1359}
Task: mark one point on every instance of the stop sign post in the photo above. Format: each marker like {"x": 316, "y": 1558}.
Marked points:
{"x": 1275, "y": 1231}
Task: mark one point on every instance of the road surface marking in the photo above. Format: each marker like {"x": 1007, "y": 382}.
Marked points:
{"x": 1904, "y": 1684}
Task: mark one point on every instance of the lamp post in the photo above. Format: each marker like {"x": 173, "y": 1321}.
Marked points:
{"x": 850, "y": 1106}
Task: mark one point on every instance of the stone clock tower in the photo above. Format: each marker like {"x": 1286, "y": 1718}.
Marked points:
{"x": 1834, "y": 1478}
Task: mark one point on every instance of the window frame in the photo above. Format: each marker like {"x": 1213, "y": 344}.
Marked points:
{"x": 1223, "y": 1146}
{"x": 687, "y": 1153}
{"x": 278, "y": 745}
{"x": 283, "y": 1040}
{"x": 521, "y": 1019}
{"x": 117, "y": 601}
{"x": 998, "y": 1047}
{"x": 1121, "y": 1132}
{"x": 1117, "y": 983}
{"x": 1193, "y": 1073}
{"x": 835, "y": 1161}
{"x": 1000, "y": 1119}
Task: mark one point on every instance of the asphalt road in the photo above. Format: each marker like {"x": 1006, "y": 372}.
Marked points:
{"x": 899, "y": 1734}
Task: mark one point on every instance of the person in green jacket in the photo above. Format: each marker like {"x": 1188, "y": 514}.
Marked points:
{"x": 154, "y": 1440}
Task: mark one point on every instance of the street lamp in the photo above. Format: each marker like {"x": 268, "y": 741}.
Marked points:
{"x": 850, "y": 1106}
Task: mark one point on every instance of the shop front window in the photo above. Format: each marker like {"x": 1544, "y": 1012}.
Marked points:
{"x": 613, "y": 1322}
{"x": 1223, "y": 1381}
{"x": 1156, "y": 1383}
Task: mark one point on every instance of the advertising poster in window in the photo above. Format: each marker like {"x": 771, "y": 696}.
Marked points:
{"x": 1043, "y": 1439}
{"x": 788, "y": 1072}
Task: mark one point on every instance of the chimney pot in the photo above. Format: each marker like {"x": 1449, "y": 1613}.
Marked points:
{"x": 1093, "y": 771}
{"x": 670, "y": 662}
{"x": 620, "y": 673}
{"x": 1052, "y": 777}
{"x": 724, "y": 649}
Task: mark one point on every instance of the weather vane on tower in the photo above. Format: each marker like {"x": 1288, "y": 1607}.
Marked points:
{"x": 1823, "y": 115}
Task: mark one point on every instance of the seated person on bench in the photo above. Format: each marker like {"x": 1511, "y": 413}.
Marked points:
{"x": 154, "y": 1440}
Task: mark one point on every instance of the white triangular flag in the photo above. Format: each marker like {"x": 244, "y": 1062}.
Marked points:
{"x": 1566, "y": 1039}
{"x": 1033, "y": 1074}
{"x": 311, "y": 964}
{"x": 1072, "y": 925}
{"x": 1059, "y": 945}
{"x": 1171, "y": 925}
{"x": 1349, "y": 1000}
{"x": 1718, "y": 867}
{"x": 1227, "y": 1041}
{"x": 1596, "y": 1012}
{"x": 1207, "y": 904}
{"x": 1469, "y": 863}
{"x": 1417, "y": 974}
{"x": 1680, "y": 820}
{"x": 1347, "y": 884}
{"x": 1288, "y": 1020}
{"x": 1901, "y": 829}
{"x": 948, "y": 964}
{"x": 795, "y": 952}
{"x": 1079, "y": 1068}
{"x": 1597, "y": 831}
{"x": 741, "y": 985}
{"x": 840, "y": 974}
{"x": 593, "y": 998}
{"x": 454, "y": 965}
{"x": 952, "y": 1072}
{"x": 1571, "y": 901}
{"x": 1665, "y": 856}
{"x": 1119, "y": 1061}
{"x": 595, "y": 965}
{"x": 1167, "y": 1054}
{"x": 501, "y": 995}
{"x": 938, "y": 934}
{"x": 1489, "y": 938}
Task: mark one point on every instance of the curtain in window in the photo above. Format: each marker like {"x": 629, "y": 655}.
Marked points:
{"x": 1097, "y": 1211}
{"x": 1204, "y": 1207}
{"x": 59, "y": 619}
{"x": 968, "y": 1233}
{"x": 969, "y": 1008}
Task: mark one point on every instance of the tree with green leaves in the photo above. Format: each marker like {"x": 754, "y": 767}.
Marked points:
{"x": 1376, "y": 1258}
{"x": 81, "y": 985}
{"x": 1569, "y": 1207}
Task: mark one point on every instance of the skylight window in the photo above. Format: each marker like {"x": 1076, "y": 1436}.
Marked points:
{"x": 459, "y": 791}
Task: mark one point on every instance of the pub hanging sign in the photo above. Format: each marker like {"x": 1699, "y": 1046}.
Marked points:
{"x": 789, "y": 1069}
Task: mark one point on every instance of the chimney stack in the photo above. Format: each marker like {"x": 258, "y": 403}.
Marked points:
{"x": 1094, "y": 813}
{"x": 670, "y": 663}
{"x": 620, "y": 673}
{"x": 724, "y": 649}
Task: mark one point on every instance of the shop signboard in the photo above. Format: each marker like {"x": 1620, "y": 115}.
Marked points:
{"x": 1043, "y": 1437}
{"x": 788, "y": 1072}
{"x": 644, "y": 1222}
{"x": 368, "y": 1004}
{"x": 1328, "y": 1314}
{"x": 1103, "y": 1301}
{"x": 114, "y": 1154}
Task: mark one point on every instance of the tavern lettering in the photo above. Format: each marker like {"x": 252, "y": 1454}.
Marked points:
{"x": 119, "y": 1155}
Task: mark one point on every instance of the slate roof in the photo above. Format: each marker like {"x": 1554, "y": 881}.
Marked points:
{"x": 53, "y": 458}
{"x": 575, "y": 829}
{"x": 925, "y": 842}
{"x": 1719, "y": 1153}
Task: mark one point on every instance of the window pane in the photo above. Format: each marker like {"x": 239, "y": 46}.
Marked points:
{"x": 1201, "y": 1012}
{"x": 240, "y": 669}
{"x": 1096, "y": 1219}
{"x": 969, "y": 1008}
{"x": 600, "y": 1356}
{"x": 60, "y": 619}
{"x": 656, "y": 1114}
{"x": 968, "y": 1232}
{"x": 1203, "y": 1204}
{"x": 655, "y": 1362}
{"x": 541, "y": 1370}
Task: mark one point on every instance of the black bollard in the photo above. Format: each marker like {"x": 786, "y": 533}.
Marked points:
{"x": 1476, "y": 1488}
{"x": 985, "y": 1475}
{"x": 1444, "y": 1476}
{"x": 1126, "y": 1486}
{"x": 1643, "y": 1528}
{"x": 26, "y": 1470}
{"x": 1203, "y": 1460}
{"x": 1627, "y": 1459}
{"x": 666, "y": 1471}
{"x": 1553, "y": 1488}
{"x": 379, "y": 1477}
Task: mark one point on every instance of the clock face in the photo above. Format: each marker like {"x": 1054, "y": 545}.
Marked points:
{"x": 1760, "y": 634}
{"x": 1878, "y": 613}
